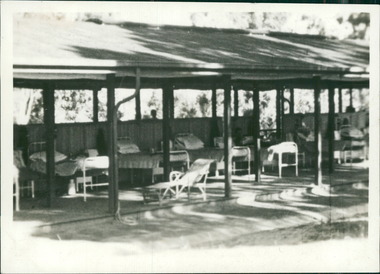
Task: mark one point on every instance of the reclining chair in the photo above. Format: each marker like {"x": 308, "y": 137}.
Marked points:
{"x": 180, "y": 181}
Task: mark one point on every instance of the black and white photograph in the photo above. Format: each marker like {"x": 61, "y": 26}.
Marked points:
{"x": 189, "y": 137}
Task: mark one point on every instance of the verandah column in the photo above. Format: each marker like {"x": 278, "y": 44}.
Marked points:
{"x": 256, "y": 134}
{"x": 317, "y": 130}
{"x": 49, "y": 119}
{"x": 236, "y": 102}
{"x": 95, "y": 105}
{"x": 214, "y": 129}
{"x": 213, "y": 102}
{"x": 227, "y": 138}
{"x": 167, "y": 91}
{"x": 279, "y": 100}
{"x": 112, "y": 146}
{"x": 291, "y": 103}
{"x": 331, "y": 129}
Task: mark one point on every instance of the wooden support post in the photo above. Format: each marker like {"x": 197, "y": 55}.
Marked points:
{"x": 170, "y": 95}
{"x": 213, "y": 103}
{"x": 282, "y": 114}
{"x": 351, "y": 106}
{"x": 138, "y": 97}
{"x": 291, "y": 103}
{"x": 49, "y": 119}
{"x": 236, "y": 102}
{"x": 317, "y": 131}
{"x": 331, "y": 128}
{"x": 340, "y": 101}
{"x": 227, "y": 139}
{"x": 278, "y": 114}
{"x": 166, "y": 93}
{"x": 113, "y": 187}
{"x": 256, "y": 134}
{"x": 95, "y": 108}
{"x": 214, "y": 129}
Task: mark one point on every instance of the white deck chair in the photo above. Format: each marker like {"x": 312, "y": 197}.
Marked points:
{"x": 176, "y": 156}
{"x": 180, "y": 181}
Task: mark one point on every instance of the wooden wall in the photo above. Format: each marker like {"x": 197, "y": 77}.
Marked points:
{"x": 357, "y": 120}
{"x": 147, "y": 134}
{"x": 75, "y": 138}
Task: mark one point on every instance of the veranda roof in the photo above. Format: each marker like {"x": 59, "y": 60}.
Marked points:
{"x": 46, "y": 49}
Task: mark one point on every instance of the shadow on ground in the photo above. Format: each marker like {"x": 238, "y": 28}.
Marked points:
{"x": 223, "y": 223}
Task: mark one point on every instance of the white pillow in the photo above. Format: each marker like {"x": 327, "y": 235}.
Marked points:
{"x": 41, "y": 155}
{"x": 127, "y": 146}
{"x": 189, "y": 142}
{"x": 247, "y": 140}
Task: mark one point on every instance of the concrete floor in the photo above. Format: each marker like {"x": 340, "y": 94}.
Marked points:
{"x": 70, "y": 208}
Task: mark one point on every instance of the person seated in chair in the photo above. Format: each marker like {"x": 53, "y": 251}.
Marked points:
{"x": 238, "y": 137}
{"x": 302, "y": 132}
{"x": 348, "y": 132}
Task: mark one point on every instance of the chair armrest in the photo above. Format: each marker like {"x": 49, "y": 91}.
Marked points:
{"x": 175, "y": 176}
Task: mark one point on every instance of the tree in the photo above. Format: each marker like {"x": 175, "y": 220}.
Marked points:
{"x": 340, "y": 25}
{"x": 73, "y": 106}
{"x": 360, "y": 23}
{"x": 187, "y": 111}
{"x": 27, "y": 106}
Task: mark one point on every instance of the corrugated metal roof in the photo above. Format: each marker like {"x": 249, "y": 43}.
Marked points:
{"x": 171, "y": 51}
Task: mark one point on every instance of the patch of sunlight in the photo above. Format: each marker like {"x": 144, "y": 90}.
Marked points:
{"x": 170, "y": 56}
{"x": 130, "y": 196}
{"x": 183, "y": 211}
{"x": 71, "y": 196}
{"x": 322, "y": 191}
{"x": 204, "y": 73}
{"x": 248, "y": 178}
{"x": 262, "y": 186}
{"x": 149, "y": 216}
